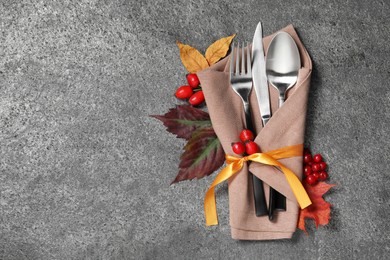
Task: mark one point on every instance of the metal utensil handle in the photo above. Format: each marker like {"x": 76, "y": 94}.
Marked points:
{"x": 281, "y": 100}
{"x": 248, "y": 117}
{"x": 258, "y": 188}
{"x": 276, "y": 200}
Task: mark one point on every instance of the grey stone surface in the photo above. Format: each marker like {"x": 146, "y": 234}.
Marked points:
{"x": 85, "y": 173}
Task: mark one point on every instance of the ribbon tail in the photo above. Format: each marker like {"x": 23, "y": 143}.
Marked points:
{"x": 210, "y": 208}
{"x": 210, "y": 205}
{"x": 297, "y": 187}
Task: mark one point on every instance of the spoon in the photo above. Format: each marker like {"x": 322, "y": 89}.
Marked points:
{"x": 282, "y": 66}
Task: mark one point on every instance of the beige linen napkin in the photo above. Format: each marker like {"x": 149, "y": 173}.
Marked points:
{"x": 286, "y": 127}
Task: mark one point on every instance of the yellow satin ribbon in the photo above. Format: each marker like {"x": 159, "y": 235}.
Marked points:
{"x": 235, "y": 164}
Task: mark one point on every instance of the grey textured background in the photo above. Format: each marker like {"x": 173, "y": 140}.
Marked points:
{"x": 85, "y": 173}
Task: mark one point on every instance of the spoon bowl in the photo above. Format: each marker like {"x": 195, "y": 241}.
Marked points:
{"x": 282, "y": 64}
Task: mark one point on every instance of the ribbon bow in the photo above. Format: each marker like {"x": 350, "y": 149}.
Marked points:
{"x": 235, "y": 164}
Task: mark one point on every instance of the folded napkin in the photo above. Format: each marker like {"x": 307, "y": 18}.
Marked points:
{"x": 285, "y": 128}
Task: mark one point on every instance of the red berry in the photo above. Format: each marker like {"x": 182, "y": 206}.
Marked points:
{"x": 197, "y": 98}
{"x": 317, "y": 158}
{"x": 323, "y": 175}
{"x": 316, "y": 175}
{"x": 193, "y": 80}
{"x": 238, "y": 148}
{"x": 307, "y": 158}
{"x": 307, "y": 170}
{"x": 323, "y": 166}
{"x": 311, "y": 180}
{"x": 251, "y": 147}
{"x": 184, "y": 92}
{"x": 316, "y": 167}
{"x": 246, "y": 135}
{"x": 310, "y": 163}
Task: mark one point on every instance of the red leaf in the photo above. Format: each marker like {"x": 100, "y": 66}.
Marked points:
{"x": 320, "y": 209}
{"x": 203, "y": 154}
{"x": 184, "y": 120}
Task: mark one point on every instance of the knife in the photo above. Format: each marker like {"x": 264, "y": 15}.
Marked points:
{"x": 260, "y": 84}
{"x": 259, "y": 77}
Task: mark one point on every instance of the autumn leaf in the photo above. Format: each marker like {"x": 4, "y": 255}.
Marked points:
{"x": 319, "y": 210}
{"x": 191, "y": 58}
{"x": 203, "y": 154}
{"x": 184, "y": 120}
{"x": 218, "y": 49}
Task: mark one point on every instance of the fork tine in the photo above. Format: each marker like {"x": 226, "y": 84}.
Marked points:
{"x": 238, "y": 59}
{"x": 248, "y": 60}
{"x": 242, "y": 59}
{"x": 231, "y": 70}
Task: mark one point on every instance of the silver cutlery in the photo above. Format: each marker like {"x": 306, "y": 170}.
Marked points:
{"x": 282, "y": 66}
{"x": 260, "y": 83}
{"x": 241, "y": 82}
{"x": 283, "y": 63}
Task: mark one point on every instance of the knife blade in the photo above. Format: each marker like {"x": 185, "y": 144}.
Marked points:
{"x": 260, "y": 83}
{"x": 258, "y": 78}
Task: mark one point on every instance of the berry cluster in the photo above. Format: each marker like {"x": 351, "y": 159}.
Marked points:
{"x": 192, "y": 91}
{"x": 246, "y": 145}
{"x": 314, "y": 168}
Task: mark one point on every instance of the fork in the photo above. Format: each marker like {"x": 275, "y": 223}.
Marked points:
{"x": 241, "y": 82}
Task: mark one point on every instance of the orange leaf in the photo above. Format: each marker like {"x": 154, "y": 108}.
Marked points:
{"x": 218, "y": 49}
{"x": 319, "y": 210}
{"x": 191, "y": 58}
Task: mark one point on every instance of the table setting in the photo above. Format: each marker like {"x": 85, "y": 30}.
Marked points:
{"x": 255, "y": 99}
{"x": 129, "y": 130}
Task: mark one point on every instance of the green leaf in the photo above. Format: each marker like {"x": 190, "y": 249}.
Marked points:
{"x": 203, "y": 154}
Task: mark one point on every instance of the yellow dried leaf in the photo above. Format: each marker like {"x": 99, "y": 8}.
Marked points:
{"x": 191, "y": 58}
{"x": 218, "y": 49}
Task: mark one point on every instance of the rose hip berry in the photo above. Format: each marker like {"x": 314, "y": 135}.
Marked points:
{"x": 246, "y": 135}
{"x": 311, "y": 180}
{"x": 315, "y": 167}
{"x": 251, "y": 147}
{"x": 316, "y": 175}
{"x": 238, "y": 148}
{"x": 323, "y": 166}
{"x": 317, "y": 158}
{"x": 197, "y": 98}
{"x": 184, "y": 92}
{"x": 193, "y": 80}
{"x": 307, "y": 158}
{"x": 307, "y": 170}
{"x": 323, "y": 175}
